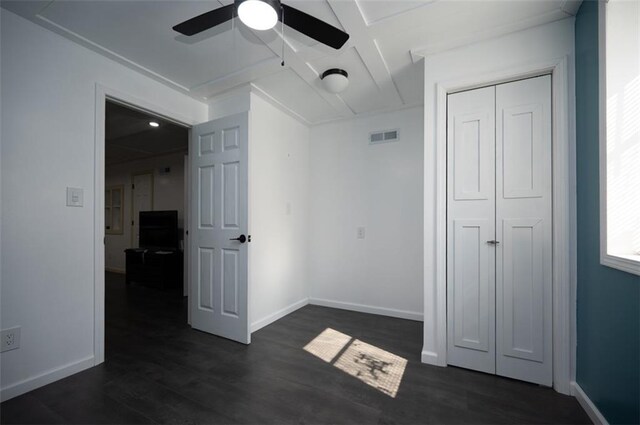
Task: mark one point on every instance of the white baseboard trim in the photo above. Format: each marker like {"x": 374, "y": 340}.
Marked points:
{"x": 401, "y": 314}
{"x": 45, "y": 378}
{"x": 259, "y": 324}
{"x": 431, "y": 358}
{"x": 588, "y": 406}
{"x": 114, "y": 270}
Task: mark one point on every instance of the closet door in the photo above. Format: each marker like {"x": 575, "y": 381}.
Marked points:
{"x": 524, "y": 229}
{"x": 471, "y": 172}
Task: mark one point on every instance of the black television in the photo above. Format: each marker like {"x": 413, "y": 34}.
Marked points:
{"x": 159, "y": 229}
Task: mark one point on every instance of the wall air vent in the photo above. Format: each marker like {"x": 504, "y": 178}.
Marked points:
{"x": 386, "y": 136}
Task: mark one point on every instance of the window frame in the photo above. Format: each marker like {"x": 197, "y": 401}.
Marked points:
{"x": 627, "y": 263}
{"x": 110, "y": 190}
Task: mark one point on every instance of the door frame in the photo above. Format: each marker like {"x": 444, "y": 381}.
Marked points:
{"x": 564, "y": 245}
{"x": 102, "y": 94}
{"x": 133, "y": 177}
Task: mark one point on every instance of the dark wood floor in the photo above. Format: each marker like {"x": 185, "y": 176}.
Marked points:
{"x": 158, "y": 370}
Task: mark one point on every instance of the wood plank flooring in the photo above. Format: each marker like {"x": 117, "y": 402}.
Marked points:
{"x": 158, "y": 370}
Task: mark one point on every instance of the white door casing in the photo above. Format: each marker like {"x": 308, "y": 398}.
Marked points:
{"x": 185, "y": 232}
{"x": 470, "y": 223}
{"x": 219, "y": 195}
{"x": 513, "y": 208}
{"x": 524, "y": 227}
{"x": 141, "y": 200}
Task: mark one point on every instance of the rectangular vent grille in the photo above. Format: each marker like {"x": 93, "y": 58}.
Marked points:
{"x": 385, "y": 136}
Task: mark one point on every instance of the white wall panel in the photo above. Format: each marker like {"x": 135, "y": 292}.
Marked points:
{"x": 378, "y": 187}
{"x": 279, "y": 196}
{"x": 49, "y": 87}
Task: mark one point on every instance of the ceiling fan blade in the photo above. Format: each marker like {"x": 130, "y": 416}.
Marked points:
{"x": 313, "y": 27}
{"x": 206, "y": 20}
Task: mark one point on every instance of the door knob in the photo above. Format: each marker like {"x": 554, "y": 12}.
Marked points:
{"x": 241, "y": 239}
{"x": 493, "y": 242}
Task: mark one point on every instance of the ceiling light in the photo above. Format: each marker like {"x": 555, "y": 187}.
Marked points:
{"x": 154, "y": 124}
{"x": 258, "y": 14}
{"x": 335, "y": 80}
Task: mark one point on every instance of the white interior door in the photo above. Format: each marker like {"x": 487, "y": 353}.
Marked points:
{"x": 499, "y": 230}
{"x": 141, "y": 200}
{"x": 219, "y": 214}
{"x": 524, "y": 229}
{"x": 470, "y": 224}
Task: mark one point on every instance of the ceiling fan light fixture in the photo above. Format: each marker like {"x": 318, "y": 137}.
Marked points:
{"x": 258, "y": 14}
{"x": 335, "y": 80}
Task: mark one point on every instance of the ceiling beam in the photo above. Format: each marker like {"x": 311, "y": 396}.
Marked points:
{"x": 353, "y": 21}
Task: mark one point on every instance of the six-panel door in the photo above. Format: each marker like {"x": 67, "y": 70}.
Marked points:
{"x": 219, "y": 196}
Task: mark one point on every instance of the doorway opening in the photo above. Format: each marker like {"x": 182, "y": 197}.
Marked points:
{"x": 145, "y": 227}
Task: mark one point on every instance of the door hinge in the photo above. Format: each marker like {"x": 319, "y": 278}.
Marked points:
{"x": 132, "y": 222}
{"x": 133, "y": 186}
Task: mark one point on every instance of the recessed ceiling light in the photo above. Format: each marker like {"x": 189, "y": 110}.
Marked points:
{"x": 154, "y": 124}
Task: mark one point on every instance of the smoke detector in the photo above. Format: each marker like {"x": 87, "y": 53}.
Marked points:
{"x": 335, "y": 80}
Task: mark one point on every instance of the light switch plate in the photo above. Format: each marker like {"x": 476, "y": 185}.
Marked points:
{"x": 360, "y": 233}
{"x": 75, "y": 197}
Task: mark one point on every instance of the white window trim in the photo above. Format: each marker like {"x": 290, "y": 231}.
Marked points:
{"x": 627, "y": 263}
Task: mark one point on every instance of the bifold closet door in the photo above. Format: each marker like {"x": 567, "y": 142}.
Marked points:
{"x": 471, "y": 203}
{"x": 499, "y": 230}
{"x": 524, "y": 228}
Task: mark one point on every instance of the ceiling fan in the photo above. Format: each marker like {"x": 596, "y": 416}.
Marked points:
{"x": 263, "y": 15}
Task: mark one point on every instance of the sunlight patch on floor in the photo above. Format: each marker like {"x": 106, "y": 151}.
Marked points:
{"x": 328, "y": 344}
{"x": 374, "y": 366}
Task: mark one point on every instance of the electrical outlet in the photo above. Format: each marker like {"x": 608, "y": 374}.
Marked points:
{"x": 360, "y": 234}
{"x": 10, "y": 339}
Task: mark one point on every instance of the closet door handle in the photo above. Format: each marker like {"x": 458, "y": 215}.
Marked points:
{"x": 494, "y": 242}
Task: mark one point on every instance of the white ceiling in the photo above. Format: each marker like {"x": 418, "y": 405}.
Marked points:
{"x": 377, "y": 56}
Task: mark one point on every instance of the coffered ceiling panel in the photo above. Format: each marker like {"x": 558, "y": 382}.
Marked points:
{"x": 454, "y": 20}
{"x": 382, "y": 74}
{"x": 142, "y": 30}
{"x": 298, "y": 97}
{"x": 374, "y": 11}
{"x": 362, "y": 95}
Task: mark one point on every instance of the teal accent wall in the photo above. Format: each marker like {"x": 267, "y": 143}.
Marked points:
{"x": 608, "y": 311}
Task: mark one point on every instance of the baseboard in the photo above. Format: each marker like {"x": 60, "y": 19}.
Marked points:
{"x": 259, "y": 324}
{"x": 45, "y": 378}
{"x": 588, "y": 406}
{"x": 401, "y": 314}
{"x": 114, "y": 270}
{"x": 431, "y": 358}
